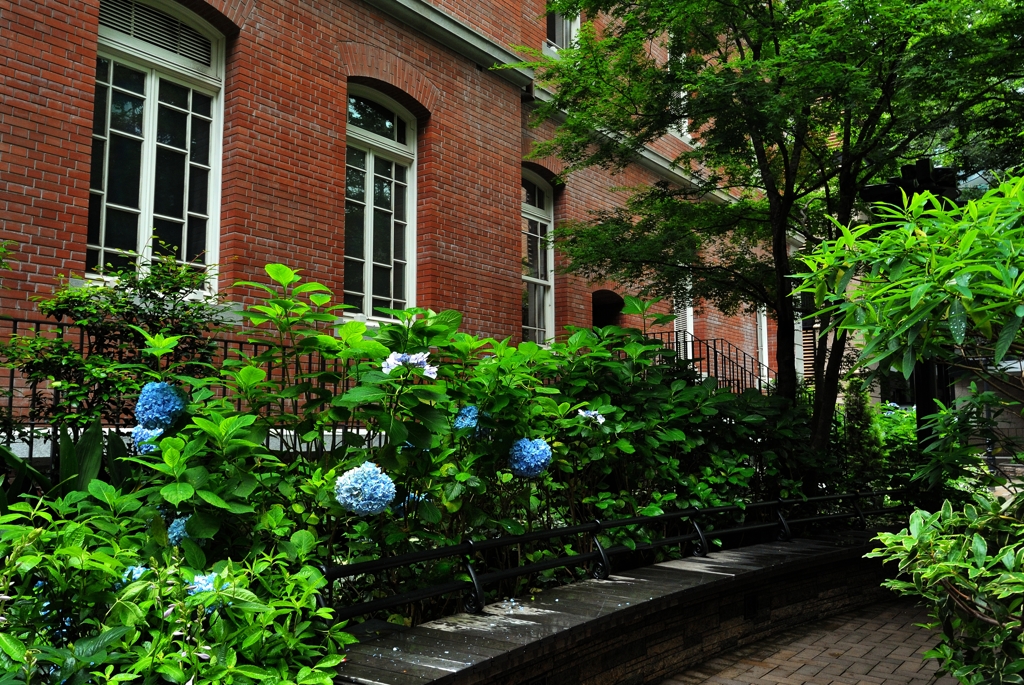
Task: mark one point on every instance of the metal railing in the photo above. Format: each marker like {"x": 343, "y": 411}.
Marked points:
{"x": 720, "y": 359}
{"x": 771, "y": 513}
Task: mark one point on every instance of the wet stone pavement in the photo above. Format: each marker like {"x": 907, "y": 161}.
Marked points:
{"x": 875, "y": 645}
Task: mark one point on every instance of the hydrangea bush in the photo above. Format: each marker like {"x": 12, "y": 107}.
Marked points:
{"x": 410, "y": 436}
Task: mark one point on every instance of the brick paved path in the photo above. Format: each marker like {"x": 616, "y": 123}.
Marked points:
{"x": 877, "y": 645}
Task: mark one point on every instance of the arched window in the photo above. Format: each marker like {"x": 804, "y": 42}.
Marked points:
{"x": 157, "y": 120}
{"x": 379, "y": 204}
{"x": 538, "y": 259}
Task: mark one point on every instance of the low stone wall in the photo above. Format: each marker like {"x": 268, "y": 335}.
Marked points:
{"x": 640, "y": 626}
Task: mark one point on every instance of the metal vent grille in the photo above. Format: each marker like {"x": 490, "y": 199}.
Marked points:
{"x": 156, "y": 28}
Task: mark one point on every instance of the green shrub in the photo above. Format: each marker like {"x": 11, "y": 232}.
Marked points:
{"x": 242, "y": 485}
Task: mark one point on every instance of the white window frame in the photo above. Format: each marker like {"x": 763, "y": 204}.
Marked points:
{"x": 547, "y": 216}
{"x": 549, "y": 48}
{"x": 395, "y": 152}
{"x": 209, "y": 80}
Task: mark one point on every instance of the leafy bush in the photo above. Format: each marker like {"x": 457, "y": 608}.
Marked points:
{"x": 92, "y": 377}
{"x": 333, "y": 443}
{"x": 970, "y": 565}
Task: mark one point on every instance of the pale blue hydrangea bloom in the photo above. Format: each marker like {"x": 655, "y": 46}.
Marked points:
{"x": 202, "y": 583}
{"x": 396, "y": 359}
{"x": 529, "y": 458}
{"x": 159, "y": 405}
{"x": 591, "y": 414}
{"x": 364, "y": 490}
{"x": 176, "y": 531}
{"x": 133, "y": 573}
{"x": 467, "y": 417}
{"x": 140, "y": 436}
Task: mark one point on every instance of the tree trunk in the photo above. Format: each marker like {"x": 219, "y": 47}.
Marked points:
{"x": 785, "y": 337}
{"x": 825, "y": 396}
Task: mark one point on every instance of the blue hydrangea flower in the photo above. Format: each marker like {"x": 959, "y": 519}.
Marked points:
{"x": 159, "y": 405}
{"x": 202, "y": 583}
{"x": 141, "y": 435}
{"x": 364, "y": 490}
{"x": 529, "y": 458}
{"x": 133, "y": 573}
{"x": 396, "y": 359}
{"x": 176, "y": 531}
{"x": 591, "y": 414}
{"x": 467, "y": 417}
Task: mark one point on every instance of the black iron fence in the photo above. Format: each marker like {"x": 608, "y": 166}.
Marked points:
{"x": 776, "y": 519}
{"x": 27, "y": 406}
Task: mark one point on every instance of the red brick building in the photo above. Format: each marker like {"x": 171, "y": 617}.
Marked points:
{"x": 367, "y": 142}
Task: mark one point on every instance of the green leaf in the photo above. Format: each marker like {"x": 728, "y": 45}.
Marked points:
{"x": 1006, "y": 337}
{"x": 361, "y": 394}
{"x": 202, "y": 525}
{"x": 957, "y": 322}
{"x": 68, "y": 460}
{"x": 116, "y": 452}
{"x": 193, "y": 554}
{"x": 176, "y": 493}
{"x": 281, "y": 274}
{"x": 252, "y": 672}
{"x": 427, "y": 512}
{"x": 85, "y": 648}
{"x": 13, "y": 647}
{"x": 304, "y": 541}
{"x": 980, "y": 549}
{"x": 89, "y": 452}
{"x": 212, "y": 498}
{"x": 102, "y": 491}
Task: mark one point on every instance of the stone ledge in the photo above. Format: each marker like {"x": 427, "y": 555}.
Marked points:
{"x": 639, "y": 626}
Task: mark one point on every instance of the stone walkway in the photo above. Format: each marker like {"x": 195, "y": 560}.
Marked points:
{"x": 876, "y": 645}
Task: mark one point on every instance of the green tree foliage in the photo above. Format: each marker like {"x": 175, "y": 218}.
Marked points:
{"x": 797, "y": 105}
{"x": 934, "y": 281}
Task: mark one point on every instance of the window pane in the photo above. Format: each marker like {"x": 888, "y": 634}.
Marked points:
{"x": 381, "y": 303}
{"x": 198, "y": 189}
{"x": 169, "y": 185}
{"x": 199, "y": 151}
{"x": 173, "y": 94}
{"x": 381, "y": 236}
{"x": 382, "y": 167}
{"x": 95, "y": 209}
{"x": 353, "y": 275}
{"x": 400, "y": 241}
{"x": 355, "y": 157}
{"x": 103, "y": 69}
{"x": 171, "y": 127}
{"x": 399, "y": 281}
{"x": 381, "y": 192}
{"x": 400, "y": 191}
{"x": 124, "y": 170}
{"x": 371, "y": 117}
{"x": 129, "y": 79}
{"x": 355, "y": 184}
{"x": 113, "y": 261}
{"x": 92, "y": 260}
{"x": 167, "y": 237}
{"x": 99, "y": 111}
{"x": 96, "y": 168}
{"x": 355, "y": 229}
{"x": 381, "y": 282}
{"x": 400, "y": 173}
{"x": 126, "y": 113}
{"x": 122, "y": 230}
{"x": 195, "y": 251}
{"x": 401, "y": 131}
{"x": 354, "y": 300}
{"x": 531, "y": 249}
{"x": 201, "y": 104}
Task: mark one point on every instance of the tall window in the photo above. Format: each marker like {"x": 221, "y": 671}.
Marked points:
{"x": 379, "y": 207}
{"x": 538, "y": 260}
{"x": 561, "y": 32}
{"x": 154, "y": 182}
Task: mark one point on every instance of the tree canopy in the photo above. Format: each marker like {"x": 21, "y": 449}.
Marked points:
{"x": 792, "y": 106}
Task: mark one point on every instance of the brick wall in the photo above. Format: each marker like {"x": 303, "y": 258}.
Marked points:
{"x": 288, "y": 68}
